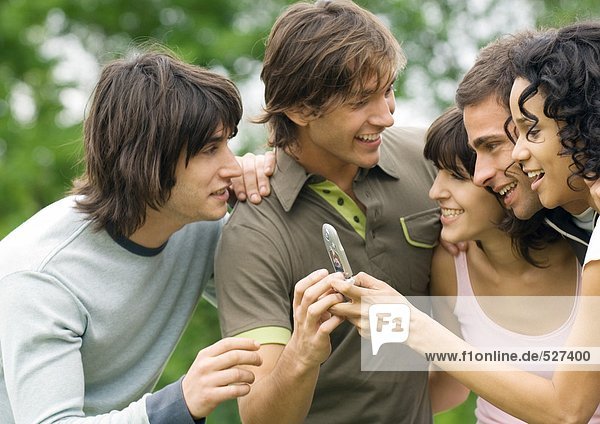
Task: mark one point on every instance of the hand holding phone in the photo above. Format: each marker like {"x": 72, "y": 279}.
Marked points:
{"x": 336, "y": 251}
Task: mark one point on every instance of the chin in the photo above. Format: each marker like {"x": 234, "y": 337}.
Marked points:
{"x": 450, "y": 237}
{"x": 549, "y": 203}
{"x": 524, "y": 214}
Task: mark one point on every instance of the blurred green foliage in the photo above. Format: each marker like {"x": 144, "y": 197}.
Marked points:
{"x": 42, "y": 44}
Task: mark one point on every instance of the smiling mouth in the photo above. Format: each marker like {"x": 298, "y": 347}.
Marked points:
{"x": 536, "y": 175}
{"x": 369, "y": 138}
{"x": 507, "y": 188}
{"x": 219, "y": 192}
{"x": 451, "y": 212}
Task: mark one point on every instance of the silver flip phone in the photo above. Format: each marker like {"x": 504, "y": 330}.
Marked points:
{"x": 336, "y": 251}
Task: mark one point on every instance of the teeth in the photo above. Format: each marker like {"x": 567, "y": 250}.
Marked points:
{"x": 533, "y": 174}
{"x": 507, "y": 188}
{"x": 369, "y": 137}
{"x": 452, "y": 212}
{"x": 220, "y": 192}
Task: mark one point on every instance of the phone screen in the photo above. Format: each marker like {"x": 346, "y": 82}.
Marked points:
{"x": 335, "y": 250}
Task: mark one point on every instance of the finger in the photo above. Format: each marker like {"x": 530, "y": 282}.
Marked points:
{"x": 331, "y": 324}
{"x": 250, "y": 173}
{"x": 317, "y": 309}
{"x": 221, "y": 394}
{"x": 233, "y": 376}
{"x": 262, "y": 177}
{"x": 330, "y": 291}
{"x": 325, "y": 316}
{"x": 237, "y": 187}
{"x": 451, "y": 248}
{"x": 346, "y": 310}
{"x": 301, "y": 286}
{"x": 270, "y": 162}
{"x": 351, "y": 291}
{"x": 230, "y": 343}
{"x": 320, "y": 288}
{"x": 364, "y": 280}
{"x": 237, "y": 184}
{"x": 463, "y": 246}
{"x": 353, "y": 313}
{"x": 235, "y": 358}
{"x": 317, "y": 292}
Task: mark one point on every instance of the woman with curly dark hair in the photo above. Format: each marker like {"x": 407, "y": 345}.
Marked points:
{"x": 555, "y": 104}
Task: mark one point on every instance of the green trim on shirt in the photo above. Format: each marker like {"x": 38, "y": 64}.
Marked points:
{"x": 410, "y": 240}
{"x": 343, "y": 204}
{"x": 268, "y": 335}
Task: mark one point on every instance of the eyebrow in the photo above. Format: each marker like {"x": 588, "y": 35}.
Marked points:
{"x": 523, "y": 120}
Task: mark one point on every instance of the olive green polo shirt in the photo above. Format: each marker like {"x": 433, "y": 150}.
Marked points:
{"x": 265, "y": 249}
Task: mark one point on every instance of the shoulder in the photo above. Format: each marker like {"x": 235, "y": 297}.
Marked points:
{"x": 404, "y": 146}
{"x": 267, "y": 215}
{"x": 42, "y": 235}
{"x": 406, "y": 134}
{"x": 405, "y": 139}
{"x": 593, "y": 251}
{"x": 443, "y": 273}
{"x": 254, "y": 229}
{"x": 198, "y": 237}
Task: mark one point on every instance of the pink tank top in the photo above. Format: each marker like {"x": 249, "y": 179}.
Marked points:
{"x": 480, "y": 330}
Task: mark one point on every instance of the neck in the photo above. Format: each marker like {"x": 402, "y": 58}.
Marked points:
{"x": 333, "y": 169}
{"x": 501, "y": 257}
{"x": 579, "y": 207}
{"x": 155, "y": 231}
{"x": 497, "y": 246}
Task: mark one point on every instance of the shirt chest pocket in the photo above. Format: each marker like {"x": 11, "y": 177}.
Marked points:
{"x": 421, "y": 233}
{"x": 421, "y": 229}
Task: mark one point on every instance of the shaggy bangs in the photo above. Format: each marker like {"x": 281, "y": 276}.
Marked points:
{"x": 447, "y": 144}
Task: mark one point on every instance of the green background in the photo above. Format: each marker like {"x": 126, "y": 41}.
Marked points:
{"x": 45, "y": 43}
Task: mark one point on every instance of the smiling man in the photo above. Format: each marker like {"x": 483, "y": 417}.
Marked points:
{"x": 329, "y": 70}
{"x": 484, "y": 95}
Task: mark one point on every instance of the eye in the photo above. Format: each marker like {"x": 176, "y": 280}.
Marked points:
{"x": 532, "y": 134}
{"x": 360, "y": 103}
{"x": 489, "y": 147}
{"x": 210, "y": 149}
{"x": 457, "y": 176}
{"x": 390, "y": 90}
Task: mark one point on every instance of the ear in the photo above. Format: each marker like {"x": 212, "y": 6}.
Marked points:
{"x": 300, "y": 117}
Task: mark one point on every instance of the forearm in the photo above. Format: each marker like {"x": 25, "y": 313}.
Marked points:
{"x": 525, "y": 395}
{"x": 284, "y": 395}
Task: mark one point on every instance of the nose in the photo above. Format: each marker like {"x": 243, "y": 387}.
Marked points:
{"x": 230, "y": 168}
{"x": 484, "y": 171}
{"x": 520, "y": 152}
{"x": 437, "y": 190}
{"x": 383, "y": 110}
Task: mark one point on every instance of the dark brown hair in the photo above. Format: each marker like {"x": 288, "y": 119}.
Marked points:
{"x": 446, "y": 146}
{"x": 492, "y": 73}
{"x": 321, "y": 55}
{"x": 147, "y": 110}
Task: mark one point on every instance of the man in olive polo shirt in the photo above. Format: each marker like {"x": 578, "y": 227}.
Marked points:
{"x": 328, "y": 73}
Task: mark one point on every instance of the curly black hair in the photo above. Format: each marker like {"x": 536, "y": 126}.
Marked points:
{"x": 564, "y": 67}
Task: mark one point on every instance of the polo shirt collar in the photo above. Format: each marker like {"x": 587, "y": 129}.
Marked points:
{"x": 290, "y": 176}
{"x": 388, "y": 162}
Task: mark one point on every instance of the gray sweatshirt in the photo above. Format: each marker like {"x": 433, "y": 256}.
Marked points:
{"x": 87, "y": 324}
